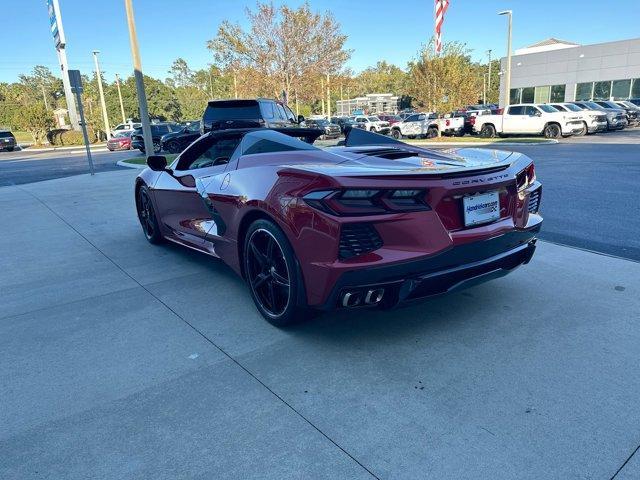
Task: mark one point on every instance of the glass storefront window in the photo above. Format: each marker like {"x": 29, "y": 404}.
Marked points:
{"x": 528, "y": 95}
{"x": 514, "y": 97}
{"x": 584, "y": 90}
{"x": 557, "y": 93}
{"x": 601, "y": 90}
{"x": 620, "y": 89}
{"x": 635, "y": 90}
{"x": 542, "y": 94}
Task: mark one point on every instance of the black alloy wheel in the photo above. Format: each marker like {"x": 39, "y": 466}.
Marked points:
{"x": 271, "y": 270}
{"x": 147, "y": 216}
{"x": 552, "y": 131}
{"x": 488, "y": 131}
{"x": 157, "y": 148}
{"x": 173, "y": 147}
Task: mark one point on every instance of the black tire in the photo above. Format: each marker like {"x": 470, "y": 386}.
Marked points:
{"x": 372, "y": 129}
{"x": 173, "y": 147}
{"x": 432, "y": 132}
{"x": 157, "y": 148}
{"x": 488, "y": 131}
{"x": 272, "y": 272}
{"x": 9, "y": 149}
{"x": 552, "y": 131}
{"x": 147, "y": 216}
{"x": 584, "y": 130}
{"x": 395, "y": 133}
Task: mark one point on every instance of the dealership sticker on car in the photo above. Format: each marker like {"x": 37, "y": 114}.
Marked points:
{"x": 481, "y": 208}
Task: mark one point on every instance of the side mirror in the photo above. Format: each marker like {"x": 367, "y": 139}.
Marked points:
{"x": 157, "y": 163}
{"x": 300, "y": 118}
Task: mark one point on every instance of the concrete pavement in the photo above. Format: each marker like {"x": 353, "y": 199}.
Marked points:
{"x": 125, "y": 360}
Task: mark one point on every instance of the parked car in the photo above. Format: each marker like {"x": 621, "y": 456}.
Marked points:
{"x": 372, "y": 123}
{"x": 259, "y": 112}
{"x": 616, "y": 118}
{"x": 469, "y": 117}
{"x": 631, "y": 106}
{"x": 428, "y": 126}
{"x": 391, "y": 119}
{"x": 593, "y": 120}
{"x": 120, "y": 141}
{"x": 632, "y": 113}
{"x": 345, "y": 123}
{"x": 125, "y": 127}
{"x": 7, "y": 141}
{"x": 527, "y": 119}
{"x": 175, "y": 142}
{"x": 635, "y": 101}
{"x": 157, "y": 131}
{"x": 331, "y": 130}
{"x": 361, "y": 225}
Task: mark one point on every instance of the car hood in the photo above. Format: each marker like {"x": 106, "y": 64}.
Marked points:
{"x": 371, "y": 161}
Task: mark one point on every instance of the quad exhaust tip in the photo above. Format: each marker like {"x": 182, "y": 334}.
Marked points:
{"x": 357, "y": 297}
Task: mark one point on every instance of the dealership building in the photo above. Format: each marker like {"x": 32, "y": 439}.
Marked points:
{"x": 556, "y": 71}
{"x": 369, "y": 104}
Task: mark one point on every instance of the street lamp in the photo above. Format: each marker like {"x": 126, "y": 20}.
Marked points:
{"x": 507, "y": 82}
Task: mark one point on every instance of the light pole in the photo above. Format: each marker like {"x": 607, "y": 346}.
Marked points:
{"x": 107, "y": 129}
{"x": 507, "y": 81}
{"x": 137, "y": 71}
{"x": 484, "y": 88}
{"x": 489, "y": 79}
{"x": 124, "y": 119}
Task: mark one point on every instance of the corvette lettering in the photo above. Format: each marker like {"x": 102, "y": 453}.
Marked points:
{"x": 472, "y": 181}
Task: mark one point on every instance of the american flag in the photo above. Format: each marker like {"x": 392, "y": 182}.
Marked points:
{"x": 441, "y": 8}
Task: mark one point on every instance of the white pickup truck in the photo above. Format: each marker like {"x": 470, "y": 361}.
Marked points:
{"x": 527, "y": 119}
{"x": 427, "y": 125}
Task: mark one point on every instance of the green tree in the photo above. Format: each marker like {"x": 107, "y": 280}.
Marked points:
{"x": 282, "y": 47}
{"x": 444, "y": 82}
{"x": 382, "y": 78}
{"x": 36, "y": 120}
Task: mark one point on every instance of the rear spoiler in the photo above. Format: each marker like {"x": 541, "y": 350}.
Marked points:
{"x": 358, "y": 137}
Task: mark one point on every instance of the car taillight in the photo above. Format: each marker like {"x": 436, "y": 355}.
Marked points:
{"x": 367, "y": 201}
{"x": 472, "y": 120}
{"x": 526, "y": 177}
{"x": 447, "y": 122}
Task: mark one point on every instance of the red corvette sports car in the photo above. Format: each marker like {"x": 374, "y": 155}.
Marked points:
{"x": 372, "y": 223}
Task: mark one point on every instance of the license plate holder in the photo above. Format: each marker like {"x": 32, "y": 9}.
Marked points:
{"x": 481, "y": 208}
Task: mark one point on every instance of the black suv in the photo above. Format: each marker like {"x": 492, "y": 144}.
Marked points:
{"x": 157, "y": 131}
{"x": 260, "y": 112}
{"x": 7, "y": 141}
{"x": 175, "y": 142}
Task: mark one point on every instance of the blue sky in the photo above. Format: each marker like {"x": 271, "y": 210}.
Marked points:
{"x": 377, "y": 29}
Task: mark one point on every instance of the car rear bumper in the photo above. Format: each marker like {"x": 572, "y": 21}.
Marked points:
{"x": 459, "y": 267}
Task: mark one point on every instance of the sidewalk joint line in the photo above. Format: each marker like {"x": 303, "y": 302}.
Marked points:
{"x": 625, "y": 462}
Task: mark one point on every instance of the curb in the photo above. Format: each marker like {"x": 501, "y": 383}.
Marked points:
{"x": 124, "y": 163}
{"x": 481, "y": 144}
{"x": 57, "y": 149}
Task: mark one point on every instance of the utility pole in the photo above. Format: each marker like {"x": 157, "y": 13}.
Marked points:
{"x": 124, "y": 119}
{"x": 55, "y": 19}
{"x": 507, "y": 80}
{"x": 489, "y": 80}
{"x": 137, "y": 71}
{"x": 210, "y": 84}
{"x": 484, "y": 88}
{"x": 44, "y": 97}
{"x": 75, "y": 85}
{"x": 235, "y": 84}
{"x": 328, "y": 98}
{"x": 107, "y": 129}
{"x": 322, "y": 93}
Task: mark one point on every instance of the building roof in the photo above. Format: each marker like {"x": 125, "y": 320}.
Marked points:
{"x": 552, "y": 41}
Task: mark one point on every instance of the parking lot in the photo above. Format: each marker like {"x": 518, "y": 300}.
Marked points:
{"x": 126, "y": 360}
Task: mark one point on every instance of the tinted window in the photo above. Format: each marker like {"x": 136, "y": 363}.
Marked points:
{"x": 547, "y": 108}
{"x": 528, "y": 95}
{"x": 208, "y": 152}
{"x": 516, "y": 110}
{"x": 269, "y": 141}
{"x": 412, "y": 118}
{"x": 6, "y": 135}
{"x": 571, "y": 107}
{"x": 560, "y": 108}
{"x": 232, "y": 110}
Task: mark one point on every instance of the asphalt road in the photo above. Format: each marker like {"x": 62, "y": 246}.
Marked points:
{"x": 587, "y": 193}
{"x": 17, "y": 168}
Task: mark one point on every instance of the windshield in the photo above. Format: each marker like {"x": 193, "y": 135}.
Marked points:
{"x": 6, "y": 135}
{"x": 322, "y": 123}
{"x": 123, "y": 134}
{"x": 270, "y": 141}
{"x": 593, "y": 106}
{"x": 572, "y": 107}
{"x": 547, "y": 108}
{"x": 232, "y": 110}
{"x": 373, "y": 119}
